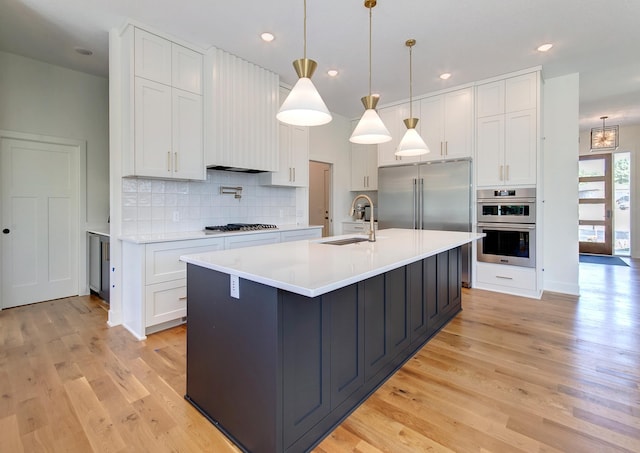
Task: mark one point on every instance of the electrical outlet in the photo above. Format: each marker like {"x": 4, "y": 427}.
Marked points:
{"x": 234, "y": 283}
{"x": 176, "y": 216}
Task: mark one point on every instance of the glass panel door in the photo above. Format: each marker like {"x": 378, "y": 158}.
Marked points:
{"x": 594, "y": 208}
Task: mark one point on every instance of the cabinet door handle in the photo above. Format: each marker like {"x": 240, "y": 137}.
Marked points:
{"x": 294, "y": 174}
{"x": 182, "y": 298}
{"x": 501, "y": 172}
{"x": 446, "y": 148}
{"x": 168, "y": 160}
{"x": 175, "y": 161}
{"x": 441, "y": 153}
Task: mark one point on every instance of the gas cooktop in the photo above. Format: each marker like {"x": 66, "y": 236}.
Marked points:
{"x": 231, "y": 227}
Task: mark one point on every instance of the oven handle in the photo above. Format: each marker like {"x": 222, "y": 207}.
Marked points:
{"x": 506, "y": 200}
{"x": 508, "y": 226}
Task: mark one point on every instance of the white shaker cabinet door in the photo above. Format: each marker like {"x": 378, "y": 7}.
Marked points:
{"x": 186, "y": 69}
{"x": 152, "y": 129}
{"x": 431, "y": 126}
{"x": 187, "y": 150}
{"x": 458, "y": 124}
{"x": 520, "y": 142}
{"x": 152, "y": 57}
{"x": 300, "y": 156}
{"x": 490, "y": 161}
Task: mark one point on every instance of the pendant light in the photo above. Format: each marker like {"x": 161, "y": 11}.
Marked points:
{"x": 304, "y": 106}
{"x": 411, "y": 144}
{"x": 370, "y": 129}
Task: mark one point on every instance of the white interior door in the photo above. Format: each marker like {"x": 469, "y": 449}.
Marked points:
{"x": 39, "y": 193}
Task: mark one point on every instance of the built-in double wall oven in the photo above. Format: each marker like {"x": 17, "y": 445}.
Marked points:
{"x": 508, "y": 218}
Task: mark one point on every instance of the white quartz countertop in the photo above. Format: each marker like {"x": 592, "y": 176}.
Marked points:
{"x": 311, "y": 268}
{"x": 200, "y": 234}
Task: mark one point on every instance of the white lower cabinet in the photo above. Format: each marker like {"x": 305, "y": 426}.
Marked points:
{"x": 507, "y": 279}
{"x": 154, "y": 284}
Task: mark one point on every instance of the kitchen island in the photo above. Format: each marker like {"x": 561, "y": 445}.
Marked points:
{"x": 284, "y": 341}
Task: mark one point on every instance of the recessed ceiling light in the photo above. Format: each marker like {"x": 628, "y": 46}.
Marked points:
{"x": 83, "y": 51}
{"x": 545, "y": 47}
{"x": 445, "y": 76}
{"x": 332, "y": 72}
{"x": 267, "y": 37}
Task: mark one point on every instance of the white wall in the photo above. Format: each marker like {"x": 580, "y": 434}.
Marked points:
{"x": 40, "y": 98}
{"x": 330, "y": 143}
{"x": 560, "y": 185}
{"x": 629, "y": 142}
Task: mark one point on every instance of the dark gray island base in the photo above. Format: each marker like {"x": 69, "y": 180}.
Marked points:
{"x": 277, "y": 371}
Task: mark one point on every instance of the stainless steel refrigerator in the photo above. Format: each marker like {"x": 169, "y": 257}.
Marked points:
{"x": 428, "y": 196}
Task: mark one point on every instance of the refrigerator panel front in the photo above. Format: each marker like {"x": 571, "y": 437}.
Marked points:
{"x": 396, "y": 200}
{"x": 446, "y": 196}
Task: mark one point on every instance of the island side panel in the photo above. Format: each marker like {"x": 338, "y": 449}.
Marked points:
{"x": 232, "y": 357}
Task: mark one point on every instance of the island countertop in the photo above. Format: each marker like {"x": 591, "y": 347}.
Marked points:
{"x": 311, "y": 268}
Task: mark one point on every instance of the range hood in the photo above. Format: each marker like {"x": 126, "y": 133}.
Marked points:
{"x": 235, "y": 169}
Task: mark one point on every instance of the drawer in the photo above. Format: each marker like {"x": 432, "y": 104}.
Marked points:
{"x": 357, "y": 227}
{"x": 165, "y": 302}
{"x": 163, "y": 258}
{"x": 299, "y": 235}
{"x": 508, "y": 276}
{"x": 250, "y": 240}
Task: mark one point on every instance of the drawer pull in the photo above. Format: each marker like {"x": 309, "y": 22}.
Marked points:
{"x": 182, "y": 298}
{"x": 504, "y": 278}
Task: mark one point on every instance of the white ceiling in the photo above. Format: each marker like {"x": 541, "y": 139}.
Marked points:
{"x": 472, "y": 39}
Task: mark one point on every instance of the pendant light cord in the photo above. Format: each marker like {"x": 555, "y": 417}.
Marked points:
{"x": 410, "y": 82}
{"x": 370, "y": 27}
{"x": 305, "y": 30}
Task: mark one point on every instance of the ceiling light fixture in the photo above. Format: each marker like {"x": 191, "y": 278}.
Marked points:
{"x": 304, "y": 106}
{"x": 267, "y": 37}
{"x": 445, "y": 76}
{"x": 604, "y": 138}
{"x": 370, "y": 129}
{"x": 545, "y": 47}
{"x": 411, "y": 144}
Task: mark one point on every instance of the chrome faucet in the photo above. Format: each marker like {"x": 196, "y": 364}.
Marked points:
{"x": 372, "y": 231}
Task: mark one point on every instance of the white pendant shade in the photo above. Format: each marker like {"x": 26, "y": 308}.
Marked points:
{"x": 370, "y": 129}
{"x": 412, "y": 144}
{"x": 304, "y": 106}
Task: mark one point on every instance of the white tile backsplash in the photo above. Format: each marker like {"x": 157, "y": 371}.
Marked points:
{"x": 150, "y": 205}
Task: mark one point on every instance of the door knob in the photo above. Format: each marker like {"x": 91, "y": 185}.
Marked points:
{"x": 6, "y": 231}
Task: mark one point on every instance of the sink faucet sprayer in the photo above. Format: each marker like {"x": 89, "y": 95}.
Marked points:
{"x": 372, "y": 231}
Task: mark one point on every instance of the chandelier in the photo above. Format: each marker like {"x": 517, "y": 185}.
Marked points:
{"x": 605, "y": 137}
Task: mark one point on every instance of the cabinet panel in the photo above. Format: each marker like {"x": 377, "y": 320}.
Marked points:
{"x": 431, "y": 126}
{"x": 300, "y": 156}
{"x": 490, "y": 149}
{"x": 152, "y": 129}
{"x": 305, "y": 361}
{"x": 187, "y": 149}
{"x": 502, "y": 275}
{"x": 397, "y": 316}
{"x": 186, "y": 69}
{"x": 375, "y": 349}
{"x": 490, "y": 99}
{"x": 152, "y": 57}
{"x": 299, "y": 235}
{"x": 162, "y": 259}
{"x": 458, "y": 121}
{"x": 521, "y": 93}
{"x": 520, "y": 154}
{"x": 347, "y": 364}
{"x": 165, "y": 302}
{"x": 364, "y": 167}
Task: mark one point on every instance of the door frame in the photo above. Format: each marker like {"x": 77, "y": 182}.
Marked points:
{"x": 607, "y": 245}
{"x": 80, "y": 162}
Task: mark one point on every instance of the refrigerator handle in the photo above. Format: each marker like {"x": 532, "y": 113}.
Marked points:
{"x": 421, "y": 205}
{"x": 415, "y": 203}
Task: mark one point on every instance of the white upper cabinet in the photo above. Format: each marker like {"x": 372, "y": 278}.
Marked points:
{"x": 364, "y": 167}
{"x": 240, "y": 113}
{"x": 167, "y": 119}
{"x": 393, "y": 118}
{"x": 293, "y": 155}
{"x": 507, "y": 132}
{"x": 447, "y": 122}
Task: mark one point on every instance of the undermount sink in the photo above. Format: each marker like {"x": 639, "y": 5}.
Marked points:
{"x": 345, "y": 241}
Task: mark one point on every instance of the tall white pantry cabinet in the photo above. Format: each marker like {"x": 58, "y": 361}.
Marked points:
{"x": 166, "y": 128}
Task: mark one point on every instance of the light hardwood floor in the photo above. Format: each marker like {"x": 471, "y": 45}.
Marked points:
{"x": 508, "y": 374}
